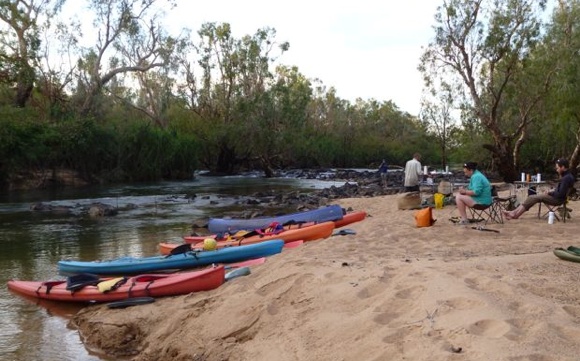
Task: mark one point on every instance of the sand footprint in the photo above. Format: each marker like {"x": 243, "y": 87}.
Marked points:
{"x": 462, "y": 303}
{"x": 400, "y": 334}
{"x": 490, "y": 328}
{"x": 522, "y": 328}
{"x": 410, "y": 293}
{"x": 526, "y": 308}
{"x": 371, "y": 291}
{"x": 283, "y": 284}
{"x": 573, "y": 311}
{"x": 384, "y": 318}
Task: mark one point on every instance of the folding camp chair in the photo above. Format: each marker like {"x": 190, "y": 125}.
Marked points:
{"x": 489, "y": 213}
{"x": 560, "y": 210}
{"x": 505, "y": 203}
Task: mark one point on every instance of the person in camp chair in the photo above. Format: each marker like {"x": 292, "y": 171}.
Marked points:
{"x": 478, "y": 191}
{"x": 554, "y": 197}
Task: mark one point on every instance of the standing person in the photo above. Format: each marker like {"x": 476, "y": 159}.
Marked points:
{"x": 554, "y": 197}
{"x": 478, "y": 191}
{"x": 383, "y": 169}
{"x": 413, "y": 173}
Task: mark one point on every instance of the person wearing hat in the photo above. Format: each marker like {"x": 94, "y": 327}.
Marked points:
{"x": 478, "y": 191}
{"x": 554, "y": 197}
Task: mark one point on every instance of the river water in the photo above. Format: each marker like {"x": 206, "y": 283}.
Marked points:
{"x": 32, "y": 242}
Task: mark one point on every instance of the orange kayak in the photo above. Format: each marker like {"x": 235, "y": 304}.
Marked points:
{"x": 310, "y": 233}
{"x": 349, "y": 218}
{"x": 246, "y": 234}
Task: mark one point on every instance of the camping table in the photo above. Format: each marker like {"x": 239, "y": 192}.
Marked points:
{"x": 524, "y": 189}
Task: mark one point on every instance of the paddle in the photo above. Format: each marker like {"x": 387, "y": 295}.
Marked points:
{"x": 134, "y": 301}
{"x": 344, "y": 232}
{"x": 181, "y": 249}
{"x": 480, "y": 228}
{"x": 243, "y": 271}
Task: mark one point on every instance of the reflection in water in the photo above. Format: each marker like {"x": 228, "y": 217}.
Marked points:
{"x": 33, "y": 242}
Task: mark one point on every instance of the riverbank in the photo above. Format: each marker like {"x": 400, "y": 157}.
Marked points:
{"x": 390, "y": 292}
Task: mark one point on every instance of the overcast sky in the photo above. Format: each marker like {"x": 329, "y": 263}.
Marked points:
{"x": 364, "y": 48}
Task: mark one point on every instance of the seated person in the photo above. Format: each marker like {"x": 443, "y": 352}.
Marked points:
{"x": 478, "y": 191}
{"x": 553, "y": 198}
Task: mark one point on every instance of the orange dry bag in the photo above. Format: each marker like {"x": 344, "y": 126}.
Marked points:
{"x": 424, "y": 217}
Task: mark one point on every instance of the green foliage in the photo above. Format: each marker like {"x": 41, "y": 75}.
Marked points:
{"x": 25, "y": 143}
{"x": 150, "y": 153}
{"x": 231, "y": 111}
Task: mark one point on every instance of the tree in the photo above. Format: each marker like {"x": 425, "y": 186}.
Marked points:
{"x": 561, "y": 46}
{"x": 485, "y": 47}
{"x": 439, "y": 115}
{"x": 128, "y": 40}
{"x": 235, "y": 75}
{"x": 19, "y": 44}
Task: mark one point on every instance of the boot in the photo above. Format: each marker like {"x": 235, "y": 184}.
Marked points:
{"x": 516, "y": 213}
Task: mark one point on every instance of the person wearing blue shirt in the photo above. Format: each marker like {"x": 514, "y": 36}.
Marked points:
{"x": 478, "y": 191}
{"x": 383, "y": 169}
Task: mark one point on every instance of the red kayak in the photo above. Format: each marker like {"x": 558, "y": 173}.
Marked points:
{"x": 115, "y": 289}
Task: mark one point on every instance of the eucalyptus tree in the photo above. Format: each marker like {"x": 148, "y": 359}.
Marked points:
{"x": 228, "y": 96}
{"x": 129, "y": 39}
{"x": 484, "y": 47}
{"x": 20, "y": 42}
{"x": 562, "y": 46}
{"x": 281, "y": 112}
{"x": 437, "y": 111}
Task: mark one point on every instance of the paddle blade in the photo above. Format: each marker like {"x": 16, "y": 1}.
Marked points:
{"x": 243, "y": 271}
{"x": 134, "y": 301}
{"x": 344, "y": 232}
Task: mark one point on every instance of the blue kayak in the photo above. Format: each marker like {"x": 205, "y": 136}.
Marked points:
{"x": 323, "y": 214}
{"x": 190, "y": 259}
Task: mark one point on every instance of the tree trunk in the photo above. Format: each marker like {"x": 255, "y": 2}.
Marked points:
{"x": 502, "y": 156}
{"x": 24, "y": 87}
{"x": 226, "y": 161}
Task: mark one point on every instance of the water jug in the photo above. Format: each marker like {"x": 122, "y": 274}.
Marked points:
{"x": 551, "y": 218}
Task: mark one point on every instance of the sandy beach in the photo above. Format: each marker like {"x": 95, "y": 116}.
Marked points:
{"x": 391, "y": 292}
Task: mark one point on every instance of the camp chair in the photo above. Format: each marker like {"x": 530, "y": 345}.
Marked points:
{"x": 488, "y": 212}
{"x": 560, "y": 210}
{"x": 506, "y": 203}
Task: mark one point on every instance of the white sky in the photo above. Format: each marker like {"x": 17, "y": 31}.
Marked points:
{"x": 363, "y": 48}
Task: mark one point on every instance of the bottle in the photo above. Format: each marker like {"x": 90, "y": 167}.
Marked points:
{"x": 551, "y": 218}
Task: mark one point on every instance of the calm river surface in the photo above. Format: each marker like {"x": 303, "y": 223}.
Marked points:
{"x": 33, "y": 242}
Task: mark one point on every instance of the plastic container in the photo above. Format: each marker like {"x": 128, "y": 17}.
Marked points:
{"x": 551, "y": 218}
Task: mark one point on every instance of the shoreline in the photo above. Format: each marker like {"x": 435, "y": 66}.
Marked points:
{"x": 392, "y": 291}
